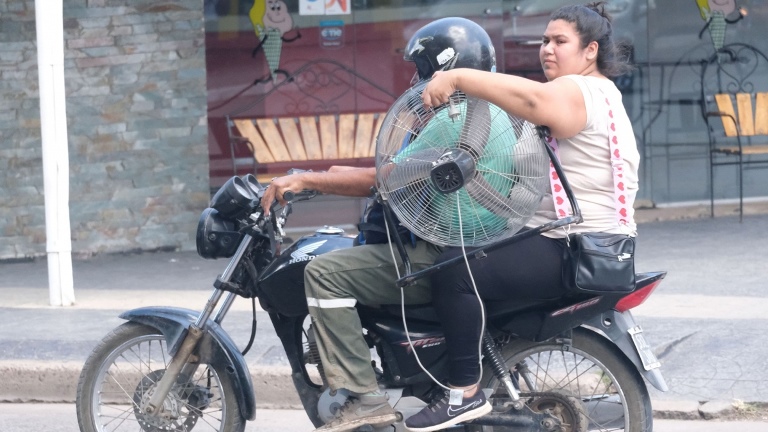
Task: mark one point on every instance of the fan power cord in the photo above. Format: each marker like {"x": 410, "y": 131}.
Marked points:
{"x": 402, "y": 310}
{"x": 477, "y": 294}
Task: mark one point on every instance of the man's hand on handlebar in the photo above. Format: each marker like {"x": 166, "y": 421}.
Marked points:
{"x": 277, "y": 189}
{"x": 339, "y": 180}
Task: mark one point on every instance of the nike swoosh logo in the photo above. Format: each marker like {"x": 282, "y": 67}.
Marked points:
{"x": 452, "y": 412}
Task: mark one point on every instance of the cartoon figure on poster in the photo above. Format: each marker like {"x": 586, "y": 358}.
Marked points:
{"x": 718, "y": 14}
{"x": 271, "y": 21}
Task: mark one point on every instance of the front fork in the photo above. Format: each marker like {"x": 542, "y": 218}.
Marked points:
{"x": 183, "y": 360}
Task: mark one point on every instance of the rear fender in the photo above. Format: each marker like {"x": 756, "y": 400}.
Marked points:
{"x": 215, "y": 347}
{"x": 615, "y": 325}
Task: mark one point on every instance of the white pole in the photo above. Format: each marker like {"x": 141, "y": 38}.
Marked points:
{"x": 49, "y": 17}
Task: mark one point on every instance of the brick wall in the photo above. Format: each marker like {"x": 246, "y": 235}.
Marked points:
{"x": 136, "y": 108}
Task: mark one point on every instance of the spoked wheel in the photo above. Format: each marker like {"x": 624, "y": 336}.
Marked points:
{"x": 593, "y": 373}
{"x": 122, "y": 373}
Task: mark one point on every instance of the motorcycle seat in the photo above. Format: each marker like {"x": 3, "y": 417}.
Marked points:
{"x": 497, "y": 308}
{"x": 426, "y": 312}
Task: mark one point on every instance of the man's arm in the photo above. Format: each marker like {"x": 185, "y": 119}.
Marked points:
{"x": 345, "y": 181}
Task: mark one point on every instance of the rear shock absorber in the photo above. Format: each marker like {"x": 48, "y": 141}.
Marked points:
{"x": 492, "y": 353}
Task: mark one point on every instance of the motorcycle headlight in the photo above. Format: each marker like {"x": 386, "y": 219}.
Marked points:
{"x": 216, "y": 236}
{"x": 234, "y": 199}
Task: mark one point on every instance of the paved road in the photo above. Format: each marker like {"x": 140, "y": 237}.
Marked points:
{"x": 62, "y": 418}
{"x": 707, "y": 320}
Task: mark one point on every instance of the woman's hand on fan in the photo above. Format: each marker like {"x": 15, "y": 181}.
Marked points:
{"x": 439, "y": 89}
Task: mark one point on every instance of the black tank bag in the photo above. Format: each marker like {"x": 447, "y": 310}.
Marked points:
{"x": 373, "y": 229}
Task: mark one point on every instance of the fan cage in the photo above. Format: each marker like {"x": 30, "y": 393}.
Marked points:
{"x": 499, "y": 192}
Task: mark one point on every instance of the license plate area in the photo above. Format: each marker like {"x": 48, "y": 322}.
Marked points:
{"x": 643, "y": 349}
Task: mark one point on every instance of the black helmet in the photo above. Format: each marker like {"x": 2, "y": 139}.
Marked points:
{"x": 450, "y": 43}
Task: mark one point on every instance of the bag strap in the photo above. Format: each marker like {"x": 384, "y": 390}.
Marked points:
{"x": 562, "y": 207}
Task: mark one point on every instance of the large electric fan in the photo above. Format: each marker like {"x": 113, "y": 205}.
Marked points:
{"x": 464, "y": 173}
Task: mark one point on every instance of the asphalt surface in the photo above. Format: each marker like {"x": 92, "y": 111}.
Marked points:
{"x": 32, "y": 417}
{"x": 707, "y": 321}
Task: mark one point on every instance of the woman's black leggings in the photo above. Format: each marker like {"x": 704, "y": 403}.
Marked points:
{"x": 528, "y": 269}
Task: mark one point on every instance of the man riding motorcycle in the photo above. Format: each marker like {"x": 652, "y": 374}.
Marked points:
{"x": 336, "y": 281}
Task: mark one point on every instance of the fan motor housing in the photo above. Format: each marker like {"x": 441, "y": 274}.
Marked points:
{"x": 452, "y": 170}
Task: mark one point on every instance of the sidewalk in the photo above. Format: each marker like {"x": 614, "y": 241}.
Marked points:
{"x": 707, "y": 321}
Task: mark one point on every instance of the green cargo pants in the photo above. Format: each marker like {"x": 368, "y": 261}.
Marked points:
{"x": 335, "y": 282}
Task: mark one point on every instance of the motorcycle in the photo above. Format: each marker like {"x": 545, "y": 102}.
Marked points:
{"x": 572, "y": 364}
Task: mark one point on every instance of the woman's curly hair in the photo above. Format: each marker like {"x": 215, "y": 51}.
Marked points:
{"x": 593, "y": 23}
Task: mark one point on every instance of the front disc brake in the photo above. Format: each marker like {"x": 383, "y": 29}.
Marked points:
{"x": 174, "y": 415}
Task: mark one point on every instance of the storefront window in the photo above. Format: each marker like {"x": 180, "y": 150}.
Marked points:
{"x": 352, "y": 49}
{"x": 682, "y": 38}
{"x": 364, "y": 39}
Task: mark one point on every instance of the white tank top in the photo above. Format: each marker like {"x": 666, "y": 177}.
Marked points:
{"x": 586, "y": 163}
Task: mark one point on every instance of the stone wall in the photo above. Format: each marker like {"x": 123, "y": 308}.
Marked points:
{"x": 136, "y": 108}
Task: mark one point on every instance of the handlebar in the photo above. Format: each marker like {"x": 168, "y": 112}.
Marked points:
{"x": 290, "y": 195}
{"x": 305, "y": 194}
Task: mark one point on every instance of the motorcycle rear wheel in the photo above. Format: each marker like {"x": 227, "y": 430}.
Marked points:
{"x": 594, "y": 372}
{"x": 121, "y": 372}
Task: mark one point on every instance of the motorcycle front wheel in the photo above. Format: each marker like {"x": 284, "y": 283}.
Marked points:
{"x": 122, "y": 372}
{"x": 592, "y": 372}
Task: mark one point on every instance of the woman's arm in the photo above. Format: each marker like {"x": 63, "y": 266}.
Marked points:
{"x": 558, "y": 104}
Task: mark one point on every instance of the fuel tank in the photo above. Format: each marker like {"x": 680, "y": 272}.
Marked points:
{"x": 281, "y": 284}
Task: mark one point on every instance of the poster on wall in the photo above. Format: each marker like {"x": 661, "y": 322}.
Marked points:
{"x": 338, "y": 7}
{"x": 325, "y": 7}
{"x": 332, "y": 34}
{"x": 312, "y": 7}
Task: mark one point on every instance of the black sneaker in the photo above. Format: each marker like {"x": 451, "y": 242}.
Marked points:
{"x": 440, "y": 415}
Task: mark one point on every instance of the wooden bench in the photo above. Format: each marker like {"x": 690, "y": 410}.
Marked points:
{"x": 313, "y": 121}
{"x": 736, "y": 114}
{"x": 310, "y": 141}
{"x": 742, "y": 122}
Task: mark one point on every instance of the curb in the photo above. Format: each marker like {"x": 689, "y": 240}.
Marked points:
{"x": 708, "y": 410}
{"x": 56, "y": 382}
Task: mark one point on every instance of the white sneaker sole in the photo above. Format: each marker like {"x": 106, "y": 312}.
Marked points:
{"x": 470, "y": 415}
{"x": 375, "y": 421}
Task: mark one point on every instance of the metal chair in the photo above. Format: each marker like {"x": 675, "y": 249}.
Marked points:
{"x": 735, "y": 107}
